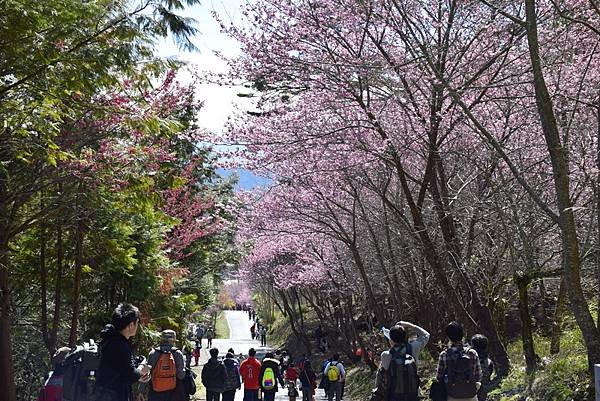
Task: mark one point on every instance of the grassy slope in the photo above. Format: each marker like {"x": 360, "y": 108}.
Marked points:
{"x": 221, "y": 326}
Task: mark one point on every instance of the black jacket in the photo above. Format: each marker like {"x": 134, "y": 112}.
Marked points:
{"x": 273, "y": 364}
{"x": 117, "y": 370}
{"x": 214, "y": 375}
{"x": 233, "y": 381}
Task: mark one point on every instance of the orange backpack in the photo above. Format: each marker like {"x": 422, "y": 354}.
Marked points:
{"x": 164, "y": 374}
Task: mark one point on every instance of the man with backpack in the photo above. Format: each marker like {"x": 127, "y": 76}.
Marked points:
{"x": 214, "y": 376}
{"x": 250, "y": 373}
{"x": 168, "y": 367}
{"x": 269, "y": 376}
{"x": 397, "y": 378}
{"x": 458, "y": 367}
{"x": 335, "y": 374}
{"x": 117, "y": 369}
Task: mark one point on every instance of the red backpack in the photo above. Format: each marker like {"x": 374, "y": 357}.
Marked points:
{"x": 52, "y": 389}
{"x": 164, "y": 374}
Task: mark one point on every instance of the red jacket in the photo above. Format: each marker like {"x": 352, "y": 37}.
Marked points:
{"x": 250, "y": 372}
{"x": 291, "y": 374}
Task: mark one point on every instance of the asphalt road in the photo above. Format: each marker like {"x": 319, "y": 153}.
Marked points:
{"x": 241, "y": 341}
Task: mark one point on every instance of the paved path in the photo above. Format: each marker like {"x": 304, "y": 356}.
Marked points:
{"x": 241, "y": 342}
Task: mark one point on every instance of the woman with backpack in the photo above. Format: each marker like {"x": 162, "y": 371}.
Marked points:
{"x": 308, "y": 379}
{"x": 233, "y": 381}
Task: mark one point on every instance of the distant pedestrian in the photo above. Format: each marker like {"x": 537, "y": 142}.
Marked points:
{"x": 210, "y": 335}
{"x": 335, "y": 374}
{"x": 458, "y": 367}
{"x": 269, "y": 377}
{"x": 233, "y": 381}
{"x": 263, "y": 336}
{"x": 253, "y": 330}
{"x": 321, "y": 337}
{"x": 200, "y": 334}
{"x": 250, "y": 373}
{"x": 167, "y": 367}
{"x": 213, "y": 376}
{"x": 196, "y": 352}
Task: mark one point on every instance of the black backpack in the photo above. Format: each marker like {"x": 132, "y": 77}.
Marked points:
{"x": 404, "y": 378}
{"x": 460, "y": 374}
{"x": 79, "y": 372}
{"x": 189, "y": 382}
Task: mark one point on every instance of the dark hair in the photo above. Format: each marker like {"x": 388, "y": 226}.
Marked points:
{"x": 231, "y": 350}
{"x": 214, "y": 352}
{"x": 123, "y": 315}
{"x": 269, "y": 355}
{"x": 229, "y": 355}
{"x": 335, "y": 357}
{"x": 454, "y": 331}
{"x": 397, "y": 334}
{"x": 480, "y": 343}
{"x": 251, "y": 352}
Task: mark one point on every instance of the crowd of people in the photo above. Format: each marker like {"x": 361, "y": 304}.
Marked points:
{"x": 463, "y": 370}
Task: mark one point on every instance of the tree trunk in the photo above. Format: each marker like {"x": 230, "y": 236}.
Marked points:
{"x": 7, "y": 382}
{"x": 560, "y": 171}
{"x": 44, "y": 288}
{"x": 79, "y": 237}
{"x": 522, "y": 283}
{"x": 598, "y": 208}
{"x": 57, "y": 286}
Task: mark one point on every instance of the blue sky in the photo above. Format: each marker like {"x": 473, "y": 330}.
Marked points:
{"x": 219, "y": 102}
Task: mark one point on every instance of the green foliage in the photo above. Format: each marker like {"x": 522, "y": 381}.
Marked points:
{"x": 561, "y": 377}
{"x": 73, "y": 76}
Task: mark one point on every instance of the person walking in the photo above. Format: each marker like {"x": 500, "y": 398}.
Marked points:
{"x": 117, "y": 370}
{"x": 479, "y": 343}
{"x": 459, "y": 367}
{"x": 250, "y": 373}
{"x": 233, "y": 381}
{"x": 167, "y": 367}
{"x": 210, "y": 335}
{"x": 397, "y": 377}
{"x": 253, "y": 330}
{"x": 308, "y": 379}
{"x": 270, "y": 375}
{"x": 196, "y": 352}
{"x": 335, "y": 374}
{"x": 290, "y": 375}
{"x": 263, "y": 336}
{"x": 213, "y": 376}
{"x": 199, "y": 334}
